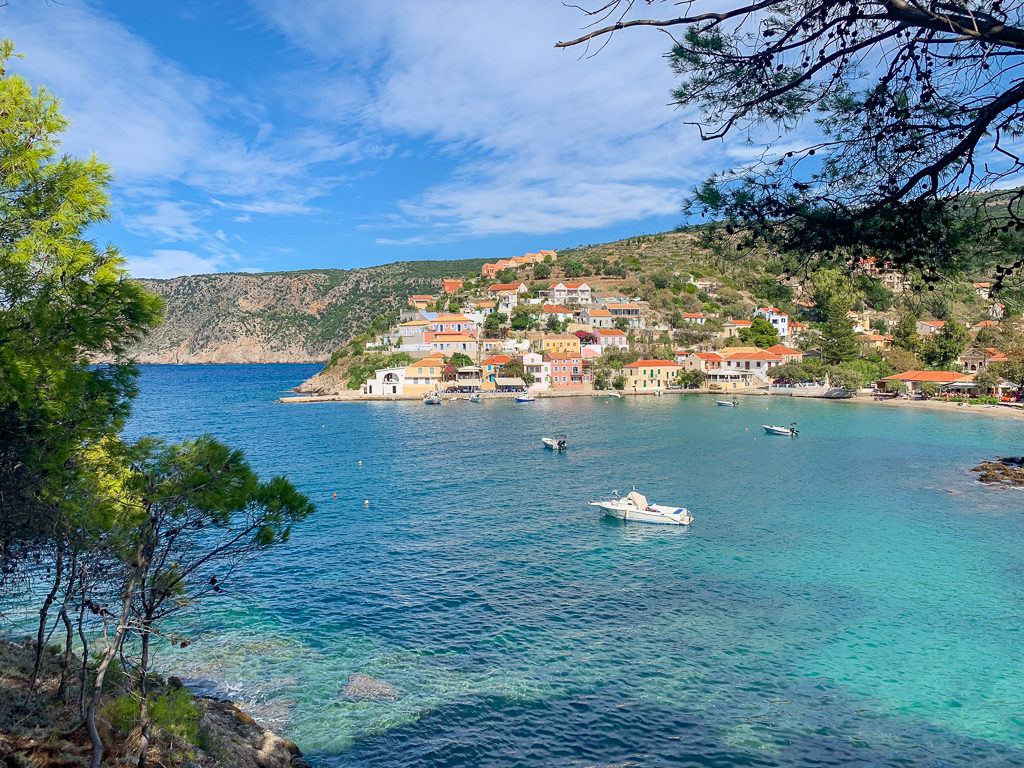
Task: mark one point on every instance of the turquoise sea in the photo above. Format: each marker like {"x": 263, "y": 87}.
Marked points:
{"x": 848, "y": 597}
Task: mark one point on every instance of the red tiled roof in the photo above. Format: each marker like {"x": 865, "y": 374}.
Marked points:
{"x": 933, "y": 323}
{"x": 943, "y": 377}
{"x": 759, "y": 355}
{"x": 692, "y": 314}
{"x": 599, "y": 313}
{"x": 709, "y": 356}
{"x": 556, "y": 308}
{"x": 497, "y": 360}
{"x": 740, "y": 322}
{"x": 563, "y": 356}
{"x": 574, "y": 286}
{"x": 985, "y": 324}
{"x": 773, "y": 310}
{"x": 504, "y": 287}
{"x": 782, "y": 349}
{"x": 609, "y": 332}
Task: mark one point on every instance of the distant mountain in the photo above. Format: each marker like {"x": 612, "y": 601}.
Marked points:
{"x": 282, "y": 317}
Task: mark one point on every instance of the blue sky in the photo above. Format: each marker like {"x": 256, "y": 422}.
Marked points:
{"x": 285, "y": 134}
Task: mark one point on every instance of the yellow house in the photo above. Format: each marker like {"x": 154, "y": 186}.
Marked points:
{"x": 560, "y": 344}
{"x": 424, "y": 375}
{"x": 650, "y": 374}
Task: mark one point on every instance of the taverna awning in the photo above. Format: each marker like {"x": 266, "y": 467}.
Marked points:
{"x": 509, "y": 381}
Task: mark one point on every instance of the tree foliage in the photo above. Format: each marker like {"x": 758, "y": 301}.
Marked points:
{"x": 917, "y": 107}
{"x": 760, "y": 333}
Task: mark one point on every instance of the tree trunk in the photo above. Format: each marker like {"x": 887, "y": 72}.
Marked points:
{"x": 143, "y": 696}
{"x": 84, "y": 676}
{"x": 101, "y": 671}
{"x": 43, "y": 613}
{"x": 69, "y": 638}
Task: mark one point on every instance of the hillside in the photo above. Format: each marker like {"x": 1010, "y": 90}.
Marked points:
{"x": 281, "y": 317}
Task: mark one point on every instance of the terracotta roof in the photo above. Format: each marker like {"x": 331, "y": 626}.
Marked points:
{"x": 574, "y": 286}
{"x": 985, "y": 324}
{"x": 943, "y": 377}
{"x": 556, "y": 309}
{"x": 563, "y": 356}
{"x": 589, "y": 353}
{"x": 692, "y": 314}
{"x": 740, "y": 322}
{"x": 422, "y": 297}
{"x": 598, "y": 313}
{"x": 796, "y": 324}
{"x": 773, "y": 310}
{"x": 653, "y": 364}
{"x": 608, "y": 332}
{"x": 452, "y": 319}
{"x": 415, "y": 322}
{"x": 933, "y": 323}
{"x": 782, "y": 349}
{"x": 504, "y": 287}
{"x": 623, "y": 305}
{"x": 496, "y": 360}
{"x": 983, "y": 285}
{"x": 709, "y": 356}
{"x": 759, "y": 355}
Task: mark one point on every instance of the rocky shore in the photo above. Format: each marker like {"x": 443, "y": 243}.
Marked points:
{"x": 43, "y": 730}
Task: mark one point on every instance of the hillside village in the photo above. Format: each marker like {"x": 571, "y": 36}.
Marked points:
{"x": 580, "y": 321}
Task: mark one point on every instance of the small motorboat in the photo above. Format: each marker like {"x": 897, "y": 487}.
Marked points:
{"x": 525, "y": 398}
{"x": 474, "y": 398}
{"x": 789, "y": 431}
{"x": 555, "y": 442}
{"x": 636, "y": 508}
{"x": 727, "y": 403}
{"x": 614, "y": 394}
{"x": 432, "y": 399}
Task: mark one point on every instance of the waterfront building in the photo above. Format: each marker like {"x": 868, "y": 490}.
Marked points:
{"x": 651, "y": 374}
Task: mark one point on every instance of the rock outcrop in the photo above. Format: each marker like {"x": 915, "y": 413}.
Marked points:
{"x": 1005, "y": 471}
{"x": 229, "y": 737}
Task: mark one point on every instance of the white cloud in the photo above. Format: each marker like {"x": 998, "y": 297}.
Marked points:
{"x": 544, "y": 141}
{"x": 172, "y": 263}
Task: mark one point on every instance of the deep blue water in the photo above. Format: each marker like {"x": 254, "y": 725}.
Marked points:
{"x": 849, "y": 597}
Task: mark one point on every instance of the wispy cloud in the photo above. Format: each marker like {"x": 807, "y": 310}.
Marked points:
{"x": 544, "y": 141}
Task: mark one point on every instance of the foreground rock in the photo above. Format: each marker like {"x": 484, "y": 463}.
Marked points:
{"x": 229, "y": 737}
{"x": 1005, "y": 471}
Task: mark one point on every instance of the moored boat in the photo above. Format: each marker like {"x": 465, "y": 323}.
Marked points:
{"x": 475, "y": 398}
{"x": 432, "y": 399}
{"x": 635, "y": 508}
{"x": 525, "y": 398}
{"x": 555, "y": 442}
{"x": 726, "y": 403}
{"x": 772, "y": 429}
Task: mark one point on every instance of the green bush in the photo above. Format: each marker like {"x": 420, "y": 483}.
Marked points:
{"x": 174, "y": 716}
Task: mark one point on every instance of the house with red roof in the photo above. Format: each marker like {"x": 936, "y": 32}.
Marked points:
{"x": 503, "y": 287}
{"x": 451, "y": 284}
{"x": 490, "y": 369}
{"x": 984, "y": 324}
{"x": 752, "y": 365}
{"x": 928, "y": 327}
{"x": 597, "y": 317}
{"x": 731, "y": 328}
{"x": 611, "y": 337}
{"x": 789, "y": 354}
{"x": 915, "y": 379}
{"x": 694, "y": 318}
{"x": 556, "y": 311}
{"x": 699, "y": 361}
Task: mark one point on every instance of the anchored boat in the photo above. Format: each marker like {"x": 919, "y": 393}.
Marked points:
{"x": 555, "y": 442}
{"x": 636, "y": 508}
{"x": 432, "y": 399}
{"x": 726, "y": 403}
{"x": 525, "y": 398}
{"x": 789, "y": 431}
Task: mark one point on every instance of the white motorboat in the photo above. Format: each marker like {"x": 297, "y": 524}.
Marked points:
{"x": 524, "y": 398}
{"x": 636, "y": 508}
{"x": 475, "y": 398}
{"x": 432, "y": 399}
{"x": 555, "y": 442}
{"x": 726, "y": 403}
{"x": 614, "y": 394}
{"x": 789, "y": 431}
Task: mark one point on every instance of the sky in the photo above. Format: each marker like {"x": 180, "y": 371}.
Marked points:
{"x": 264, "y": 135}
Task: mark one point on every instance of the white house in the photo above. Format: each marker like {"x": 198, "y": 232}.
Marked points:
{"x": 386, "y": 381}
{"x": 507, "y": 301}
{"x": 699, "y": 361}
{"x": 756, "y": 364}
{"x": 556, "y": 311}
{"x": 596, "y": 317}
{"x": 570, "y": 293}
{"x": 776, "y": 317}
{"x": 694, "y": 318}
{"x": 628, "y": 310}
{"x": 502, "y": 287}
{"x": 611, "y": 337}
{"x": 928, "y": 327}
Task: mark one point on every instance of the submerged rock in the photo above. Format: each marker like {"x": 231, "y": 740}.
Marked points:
{"x": 366, "y": 688}
{"x": 1005, "y": 471}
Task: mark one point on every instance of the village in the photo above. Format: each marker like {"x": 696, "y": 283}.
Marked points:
{"x": 504, "y": 339}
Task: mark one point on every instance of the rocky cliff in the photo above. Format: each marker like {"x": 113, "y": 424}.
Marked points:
{"x": 281, "y": 317}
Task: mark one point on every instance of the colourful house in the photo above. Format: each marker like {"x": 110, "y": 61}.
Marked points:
{"x": 568, "y": 371}
{"x": 451, "y": 284}
{"x": 651, "y": 374}
{"x": 450, "y": 343}
{"x": 421, "y": 300}
{"x": 559, "y": 344}
{"x": 788, "y": 354}
{"x": 490, "y": 369}
{"x": 424, "y": 375}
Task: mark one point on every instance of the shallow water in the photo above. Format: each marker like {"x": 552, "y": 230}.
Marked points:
{"x": 849, "y": 597}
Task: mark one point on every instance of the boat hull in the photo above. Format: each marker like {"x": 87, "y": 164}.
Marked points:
{"x": 552, "y": 444}
{"x": 655, "y": 514}
{"x": 784, "y": 431}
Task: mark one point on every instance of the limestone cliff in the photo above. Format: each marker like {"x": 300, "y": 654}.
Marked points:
{"x": 281, "y": 317}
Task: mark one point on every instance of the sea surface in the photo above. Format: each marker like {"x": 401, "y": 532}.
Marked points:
{"x": 850, "y": 597}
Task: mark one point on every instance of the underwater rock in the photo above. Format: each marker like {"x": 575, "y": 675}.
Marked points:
{"x": 366, "y": 688}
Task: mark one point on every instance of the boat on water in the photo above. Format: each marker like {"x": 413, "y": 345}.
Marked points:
{"x": 432, "y": 399}
{"x": 636, "y": 508}
{"x": 727, "y": 403}
{"x": 555, "y": 442}
{"x": 474, "y": 398}
{"x": 525, "y": 398}
{"x": 614, "y": 394}
{"x": 789, "y": 431}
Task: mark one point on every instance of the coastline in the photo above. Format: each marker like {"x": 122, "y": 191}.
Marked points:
{"x": 1002, "y": 411}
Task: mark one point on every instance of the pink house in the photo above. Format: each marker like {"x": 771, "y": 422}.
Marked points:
{"x": 568, "y": 371}
{"x": 611, "y": 337}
